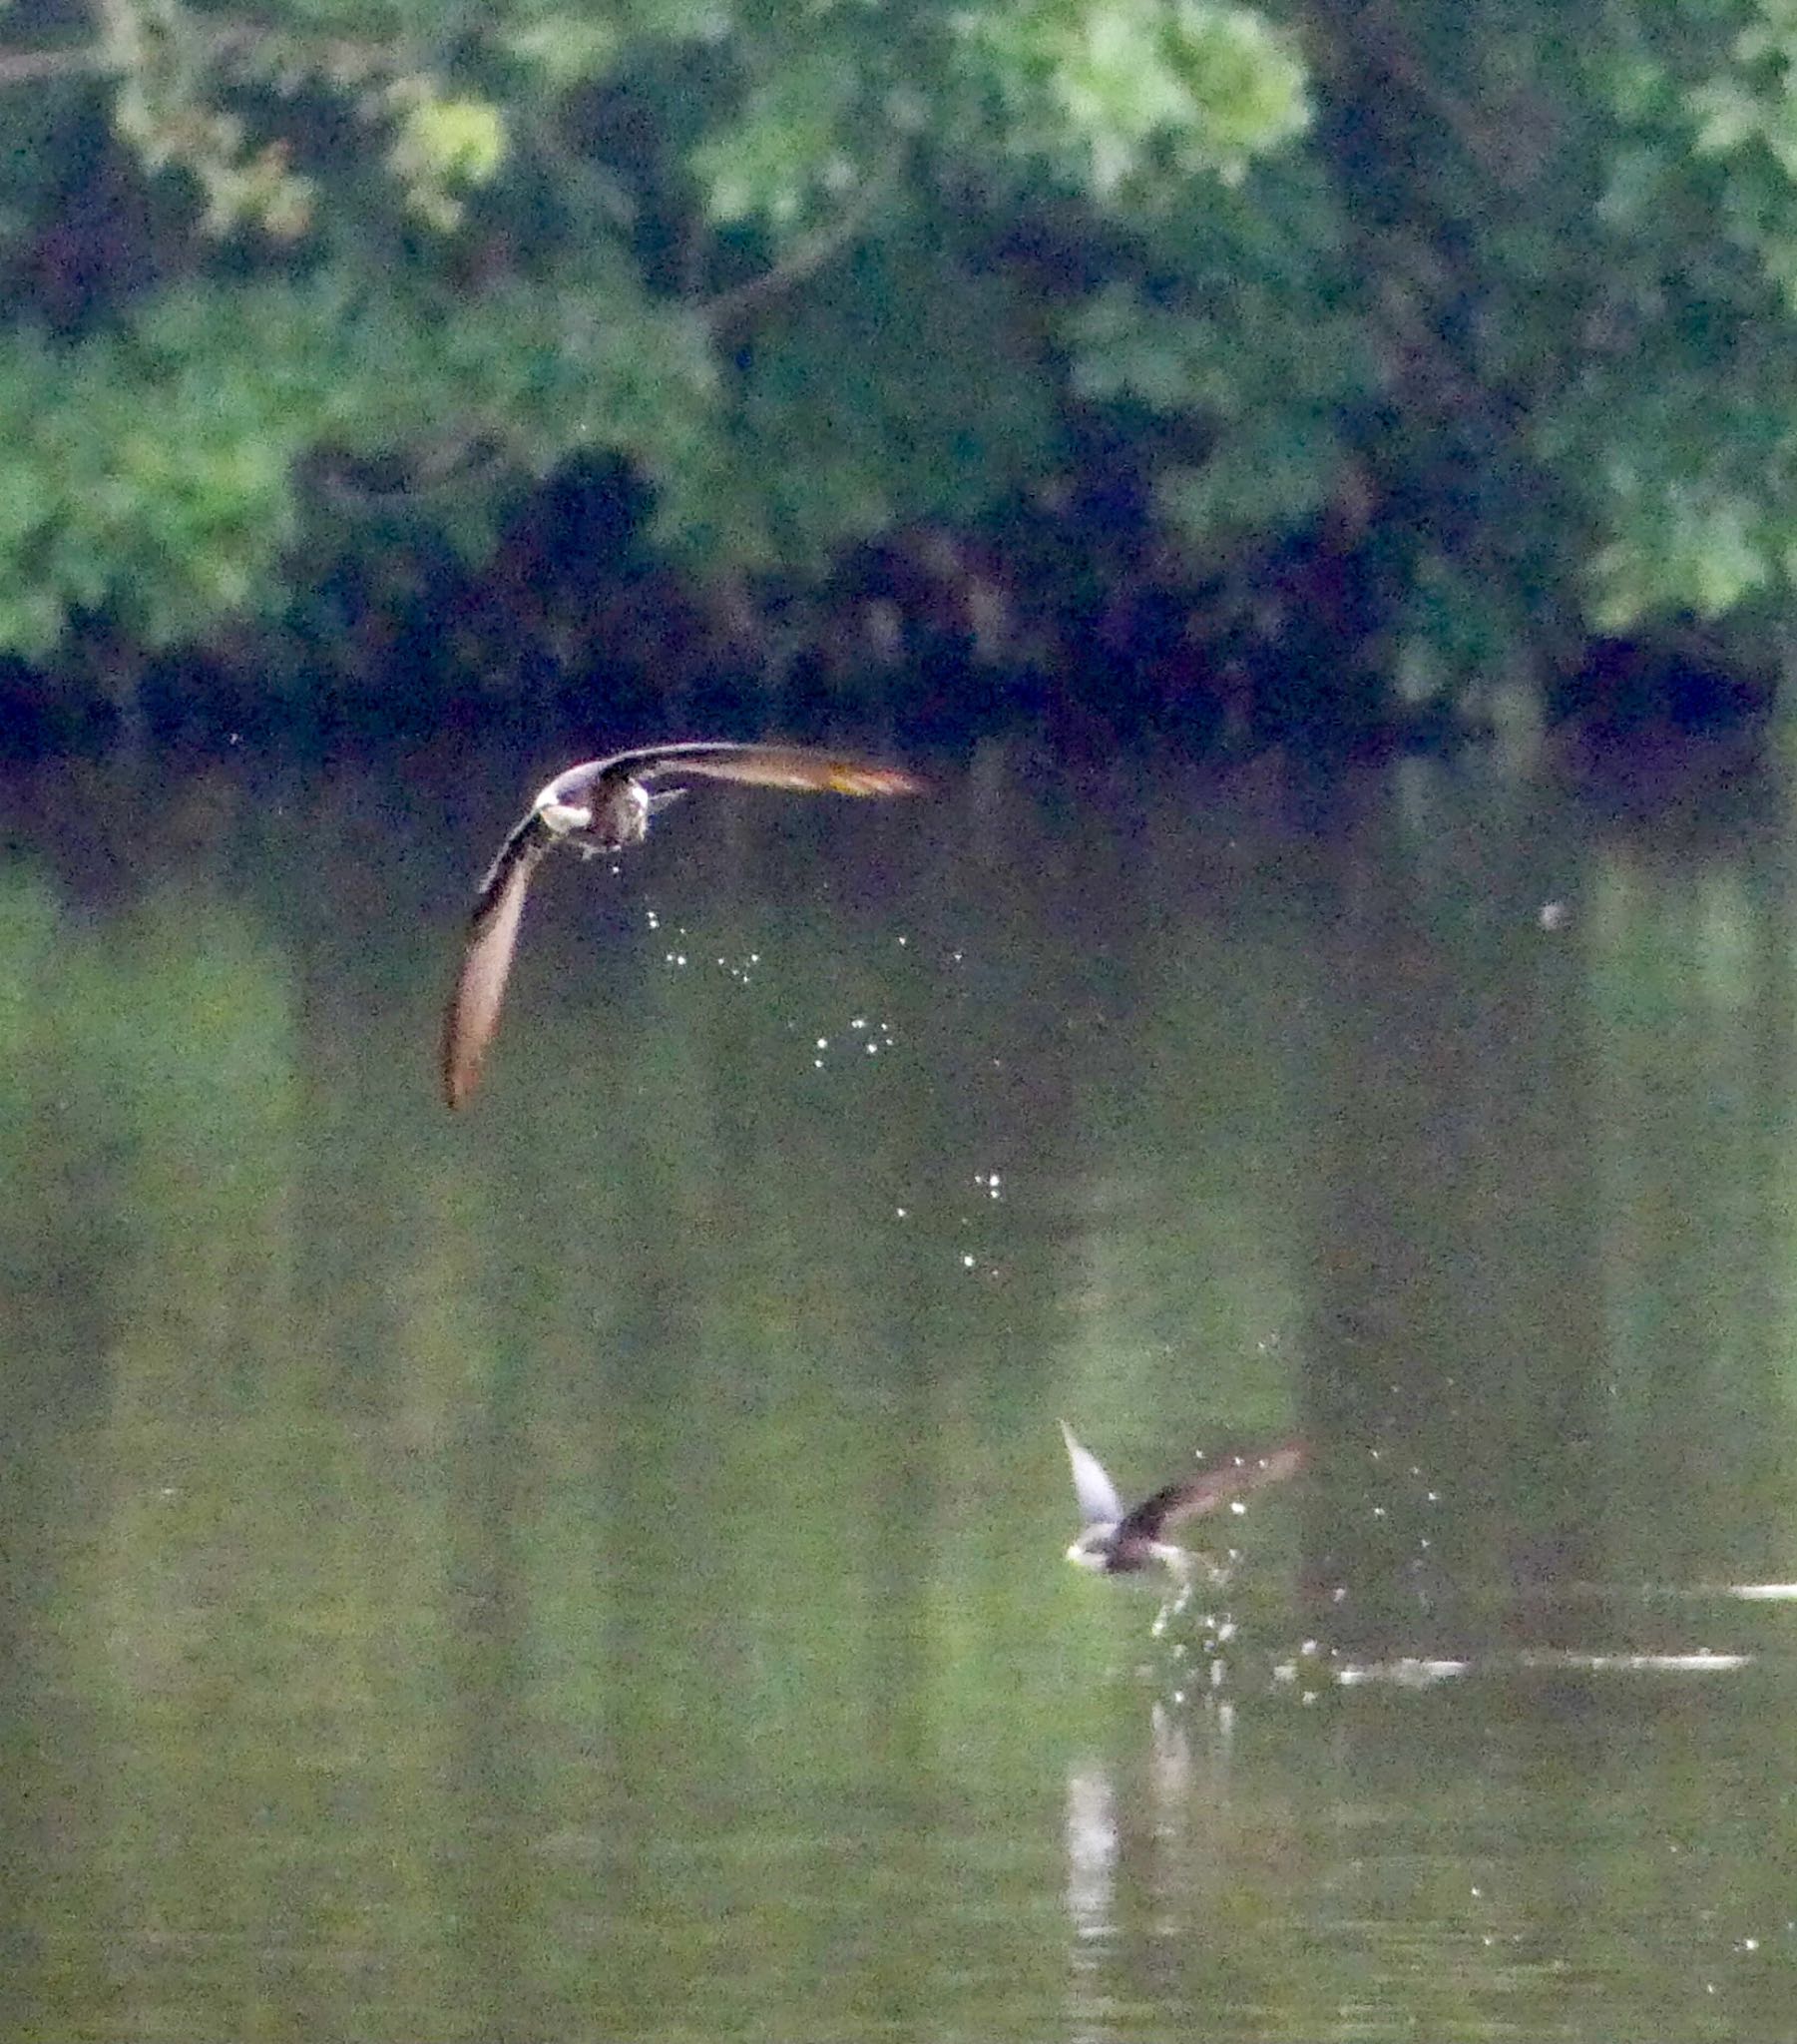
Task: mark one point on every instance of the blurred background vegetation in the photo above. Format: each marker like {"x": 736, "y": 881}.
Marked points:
{"x": 1262, "y": 375}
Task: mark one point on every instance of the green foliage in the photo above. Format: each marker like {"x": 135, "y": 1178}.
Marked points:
{"x": 152, "y": 464}
{"x": 823, "y": 273}
{"x": 1263, "y": 338}
{"x": 791, "y": 142}
{"x": 152, "y": 475}
{"x": 902, "y": 392}
{"x": 1121, "y": 96}
{"x": 1669, "y": 420}
{"x": 443, "y": 144}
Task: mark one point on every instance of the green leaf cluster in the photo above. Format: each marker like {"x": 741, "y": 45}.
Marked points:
{"x": 1254, "y": 328}
{"x": 1126, "y": 99}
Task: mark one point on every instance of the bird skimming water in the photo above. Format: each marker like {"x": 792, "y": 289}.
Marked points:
{"x": 603, "y": 806}
{"x": 1114, "y": 1540}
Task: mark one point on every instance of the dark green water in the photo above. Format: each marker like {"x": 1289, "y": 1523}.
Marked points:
{"x": 590, "y": 1568}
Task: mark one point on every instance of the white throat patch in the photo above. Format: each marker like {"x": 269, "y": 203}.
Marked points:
{"x": 563, "y": 817}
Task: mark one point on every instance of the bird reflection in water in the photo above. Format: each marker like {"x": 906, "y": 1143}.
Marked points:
{"x": 1155, "y": 1837}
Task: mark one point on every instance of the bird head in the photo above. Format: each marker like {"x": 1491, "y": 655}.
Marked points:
{"x": 1092, "y": 1548}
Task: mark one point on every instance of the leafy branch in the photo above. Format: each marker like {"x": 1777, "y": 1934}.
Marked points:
{"x": 810, "y": 253}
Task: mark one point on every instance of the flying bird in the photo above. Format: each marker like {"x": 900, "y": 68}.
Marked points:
{"x": 603, "y": 806}
{"x": 1115, "y": 1541}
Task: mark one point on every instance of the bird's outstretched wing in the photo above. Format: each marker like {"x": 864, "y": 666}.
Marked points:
{"x": 479, "y": 987}
{"x": 1232, "y": 1477}
{"x": 474, "y": 1005}
{"x": 805, "y": 768}
{"x": 1098, "y": 1501}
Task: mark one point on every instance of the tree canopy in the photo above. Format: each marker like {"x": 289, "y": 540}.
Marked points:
{"x": 1460, "y": 328}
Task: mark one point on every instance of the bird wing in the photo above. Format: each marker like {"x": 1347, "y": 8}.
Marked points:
{"x": 1098, "y": 1501}
{"x": 474, "y": 1005}
{"x": 480, "y": 987}
{"x": 801, "y": 768}
{"x": 1194, "y": 1495}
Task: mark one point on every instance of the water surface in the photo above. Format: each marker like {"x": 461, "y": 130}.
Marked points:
{"x": 590, "y": 1567}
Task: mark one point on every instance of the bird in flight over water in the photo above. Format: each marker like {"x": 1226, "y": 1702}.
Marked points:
{"x": 1115, "y": 1541}
{"x": 603, "y": 806}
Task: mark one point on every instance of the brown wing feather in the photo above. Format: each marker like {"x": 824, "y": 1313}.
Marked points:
{"x": 1203, "y": 1492}
{"x": 480, "y": 987}
{"x": 805, "y": 768}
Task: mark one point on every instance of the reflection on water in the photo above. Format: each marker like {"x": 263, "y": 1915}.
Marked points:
{"x": 592, "y": 1568}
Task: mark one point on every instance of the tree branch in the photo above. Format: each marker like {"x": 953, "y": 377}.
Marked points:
{"x": 23, "y": 67}
{"x": 810, "y": 253}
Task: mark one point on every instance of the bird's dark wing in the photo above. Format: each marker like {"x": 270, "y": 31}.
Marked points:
{"x": 802, "y": 767}
{"x": 479, "y": 991}
{"x": 1203, "y": 1491}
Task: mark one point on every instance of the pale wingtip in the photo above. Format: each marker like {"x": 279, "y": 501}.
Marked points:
{"x": 458, "y": 1063}
{"x": 852, "y": 778}
{"x": 456, "y": 1086}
